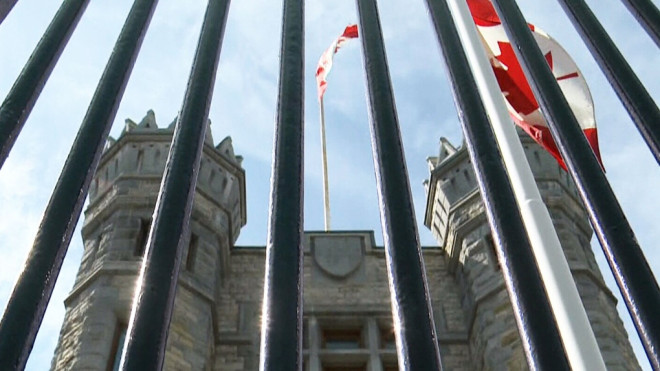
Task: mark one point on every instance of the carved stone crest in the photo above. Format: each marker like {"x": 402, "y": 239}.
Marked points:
{"x": 337, "y": 256}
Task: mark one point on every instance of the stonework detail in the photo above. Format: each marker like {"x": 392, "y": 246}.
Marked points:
{"x": 347, "y": 310}
{"x": 338, "y": 260}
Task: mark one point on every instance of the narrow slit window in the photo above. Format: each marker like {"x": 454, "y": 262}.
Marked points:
{"x": 117, "y": 348}
{"x": 192, "y": 253}
{"x": 140, "y": 159}
{"x": 490, "y": 245}
{"x": 94, "y": 249}
{"x": 143, "y": 234}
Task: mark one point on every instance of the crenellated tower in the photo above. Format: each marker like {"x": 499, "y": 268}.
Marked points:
{"x": 117, "y": 221}
{"x": 455, "y": 215}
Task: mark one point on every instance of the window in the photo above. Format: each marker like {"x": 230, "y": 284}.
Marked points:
{"x": 93, "y": 250}
{"x": 490, "y": 246}
{"x": 140, "y": 159}
{"x": 387, "y": 345}
{"x": 117, "y": 347}
{"x": 305, "y": 339}
{"x": 387, "y": 339}
{"x": 349, "y": 343}
{"x": 143, "y": 234}
{"x": 345, "y": 368}
{"x": 192, "y": 253}
{"x": 342, "y": 339}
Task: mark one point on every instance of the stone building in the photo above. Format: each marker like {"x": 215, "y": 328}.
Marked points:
{"x": 347, "y": 316}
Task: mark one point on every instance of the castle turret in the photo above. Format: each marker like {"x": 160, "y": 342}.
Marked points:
{"x": 117, "y": 221}
{"x": 455, "y": 214}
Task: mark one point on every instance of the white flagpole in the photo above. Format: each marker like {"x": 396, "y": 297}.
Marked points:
{"x": 576, "y": 333}
{"x": 324, "y": 157}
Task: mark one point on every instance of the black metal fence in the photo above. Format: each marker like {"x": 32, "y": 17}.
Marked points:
{"x": 281, "y": 339}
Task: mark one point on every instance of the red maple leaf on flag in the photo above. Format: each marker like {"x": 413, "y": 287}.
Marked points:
{"x": 512, "y": 81}
{"x": 517, "y": 91}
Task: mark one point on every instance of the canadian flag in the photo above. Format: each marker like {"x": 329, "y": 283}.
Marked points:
{"x": 523, "y": 107}
{"x": 325, "y": 63}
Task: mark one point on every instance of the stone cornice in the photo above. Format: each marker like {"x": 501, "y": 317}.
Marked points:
{"x": 124, "y": 268}
{"x": 129, "y": 268}
{"x": 114, "y": 201}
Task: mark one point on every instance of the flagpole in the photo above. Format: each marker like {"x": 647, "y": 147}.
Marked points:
{"x": 576, "y": 332}
{"x": 325, "y": 64}
{"x": 324, "y": 158}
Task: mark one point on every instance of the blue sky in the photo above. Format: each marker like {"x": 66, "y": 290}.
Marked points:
{"x": 244, "y": 108}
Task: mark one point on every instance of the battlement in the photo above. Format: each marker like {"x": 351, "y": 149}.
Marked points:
{"x": 133, "y": 164}
{"x": 453, "y": 185}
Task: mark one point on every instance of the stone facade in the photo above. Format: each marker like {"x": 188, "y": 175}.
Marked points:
{"x": 455, "y": 214}
{"x": 347, "y": 312}
{"x": 347, "y": 318}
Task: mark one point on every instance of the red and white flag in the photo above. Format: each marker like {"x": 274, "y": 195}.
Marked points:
{"x": 520, "y": 100}
{"x": 325, "y": 63}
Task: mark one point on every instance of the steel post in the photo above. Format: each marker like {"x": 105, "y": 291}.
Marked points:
{"x": 156, "y": 286}
{"x": 22, "y": 96}
{"x": 28, "y": 302}
{"x": 414, "y": 327}
{"x": 281, "y": 328}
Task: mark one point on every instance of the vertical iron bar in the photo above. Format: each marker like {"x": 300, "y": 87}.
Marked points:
{"x": 641, "y": 107}
{"x": 647, "y": 15}
{"x": 536, "y": 323}
{"x": 5, "y": 8}
{"x": 28, "y": 302}
{"x": 156, "y": 286}
{"x": 281, "y": 330}
{"x": 22, "y": 96}
{"x": 417, "y": 344}
{"x": 631, "y": 270}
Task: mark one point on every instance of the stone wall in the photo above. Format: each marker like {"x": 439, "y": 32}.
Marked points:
{"x": 345, "y": 289}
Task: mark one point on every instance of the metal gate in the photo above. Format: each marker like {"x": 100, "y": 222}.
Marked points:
{"x": 281, "y": 338}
